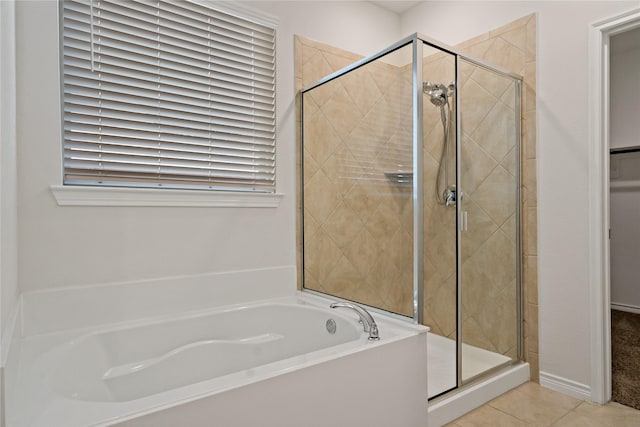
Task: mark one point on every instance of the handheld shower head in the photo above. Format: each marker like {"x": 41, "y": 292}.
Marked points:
{"x": 438, "y": 93}
{"x": 438, "y": 98}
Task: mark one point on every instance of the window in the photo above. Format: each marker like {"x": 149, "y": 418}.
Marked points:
{"x": 167, "y": 94}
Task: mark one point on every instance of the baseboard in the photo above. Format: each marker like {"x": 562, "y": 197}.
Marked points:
{"x": 566, "y": 386}
{"x": 625, "y": 307}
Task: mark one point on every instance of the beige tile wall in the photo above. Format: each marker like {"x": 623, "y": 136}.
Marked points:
{"x": 358, "y": 226}
{"x": 357, "y": 223}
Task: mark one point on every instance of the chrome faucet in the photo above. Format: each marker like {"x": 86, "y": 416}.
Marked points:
{"x": 365, "y": 318}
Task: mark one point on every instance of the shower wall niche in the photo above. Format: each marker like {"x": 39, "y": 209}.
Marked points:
{"x": 373, "y": 162}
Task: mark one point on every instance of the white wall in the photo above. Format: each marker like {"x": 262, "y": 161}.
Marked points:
{"x": 625, "y": 89}
{"x": 356, "y": 26}
{"x": 624, "y": 212}
{"x": 8, "y": 189}
{"x": 8, "y": 177}
{"x": 76, "y": 246}
{"x": 562, "y": 154}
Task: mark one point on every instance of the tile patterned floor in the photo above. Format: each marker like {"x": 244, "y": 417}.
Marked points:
{"x": 533, "y": 405}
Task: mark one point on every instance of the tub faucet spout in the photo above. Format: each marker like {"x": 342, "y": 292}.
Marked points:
{"x": 367, "y": 320}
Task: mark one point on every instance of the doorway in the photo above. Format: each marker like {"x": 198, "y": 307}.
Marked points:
{"x": 599, "y": 212}
{"x": 624, "y": 209}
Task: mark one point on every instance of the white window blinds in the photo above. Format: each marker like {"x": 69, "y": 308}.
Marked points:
{"x": 167, "y": 94}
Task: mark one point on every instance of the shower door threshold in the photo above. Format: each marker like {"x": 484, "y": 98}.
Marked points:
{"x": 467, "y": 398}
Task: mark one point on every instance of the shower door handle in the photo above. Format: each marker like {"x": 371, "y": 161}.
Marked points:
{"x": 463, "y": 221}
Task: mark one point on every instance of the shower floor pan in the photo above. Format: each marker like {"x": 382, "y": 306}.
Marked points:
{"x": 441, "y": 362}
{"x": 442, "y": 377}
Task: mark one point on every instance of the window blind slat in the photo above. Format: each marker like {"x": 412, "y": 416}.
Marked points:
{"x": 228, "y": 130}
{"x": 224, "y": 97}
{"x": 163, "y": 132}
{"x": 216, "y": 184}
{"x": 145, "y": 60}
{"x": 170, "y": 81}
{"x": 154, "y": 34}
{"x": 131, "y": 162}
{"x": 74, "y": 71}
{"x": 87, "y": 114}
{"x": 262, "y": 156}
{"x": 221, "y": 121}
{"x": 107, "y": 162}
{"x": 198, "y": 153}
{"x": 257, "y": 91}
{"x": 170, "y": 101}
{"x": 260, "y": 87}
{"x": 165, "y": 67}
{"x": 121, "y": 37}
{"x": 84, "y": 112}
{"x": 80, "y": 123}
{"x": 162, "y": 13}
{"x": 167, "y": 94}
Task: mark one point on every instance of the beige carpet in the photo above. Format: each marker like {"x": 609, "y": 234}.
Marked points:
{"x": 625, "y": 358}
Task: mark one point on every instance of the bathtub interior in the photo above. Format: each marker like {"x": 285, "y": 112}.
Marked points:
{"x": 130, "y": 363}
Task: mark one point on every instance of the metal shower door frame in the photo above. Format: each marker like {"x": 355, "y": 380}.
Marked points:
{"x": 517, "y": 81}
{"x": 418, "y": 41}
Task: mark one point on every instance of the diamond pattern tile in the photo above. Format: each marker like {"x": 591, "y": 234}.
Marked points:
{"x": 362, "y": 89}
{"x": 343, "y": 225}
{"x": 325, "y": 140}
{"x": 475, "y": 102}
{"x": 340, "y": 111}
{"x": 496, "y": 133}
{"x": 362, "y": 128}
{"x": 362, "y": 249}
{"x": 321, "y": 196}
{"x": 477, "y": 165}
{"x": 315, "y": 67}
{"x": 505, "y": 55}
{"x": 480, "y": 227}
{"x": 496, "y": 195}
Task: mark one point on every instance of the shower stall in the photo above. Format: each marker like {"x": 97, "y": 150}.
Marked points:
{"x": 410, "y": 200}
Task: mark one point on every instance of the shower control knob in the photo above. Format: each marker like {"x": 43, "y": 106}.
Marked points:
{"x": 449, "y": 197}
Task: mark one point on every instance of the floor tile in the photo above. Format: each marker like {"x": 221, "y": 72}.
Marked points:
{"x": 573, "y": 419}
{"x": 612, "y": 414}
{"x": 487, "y": 416}
{"x": 534, "y": 405}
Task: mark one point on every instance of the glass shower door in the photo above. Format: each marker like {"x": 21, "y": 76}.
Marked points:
{"x": 488, "y": 168}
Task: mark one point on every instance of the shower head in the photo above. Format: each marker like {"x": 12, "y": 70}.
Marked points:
{"x": 438, "y": 98}
{"x": 438, "y": 93}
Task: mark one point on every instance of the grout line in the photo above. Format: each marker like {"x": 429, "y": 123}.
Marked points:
{"x": 510, "y": 392}
{"x": 561, "y": 418}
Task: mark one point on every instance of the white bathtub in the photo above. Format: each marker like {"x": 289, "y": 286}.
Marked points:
{"x": 259, "y": 364}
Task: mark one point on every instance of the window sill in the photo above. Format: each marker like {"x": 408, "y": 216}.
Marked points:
{"x": 67, "y": 195}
